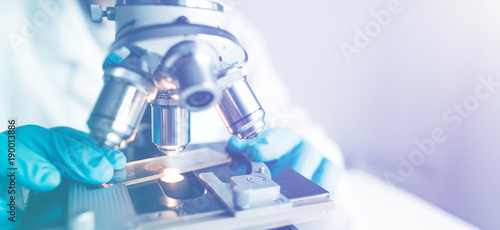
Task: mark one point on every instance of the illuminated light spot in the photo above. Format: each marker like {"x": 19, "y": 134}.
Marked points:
{"x": 172, "y": 175}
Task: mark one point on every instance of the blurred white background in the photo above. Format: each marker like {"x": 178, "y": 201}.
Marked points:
{"x": 422, "y": 65}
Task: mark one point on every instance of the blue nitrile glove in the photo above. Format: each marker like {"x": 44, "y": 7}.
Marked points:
{"x": 43, "y": 155}
{"x": 281, "y": 148}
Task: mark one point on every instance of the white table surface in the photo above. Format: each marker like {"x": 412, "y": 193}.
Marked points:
{"x": 374, "y": 204}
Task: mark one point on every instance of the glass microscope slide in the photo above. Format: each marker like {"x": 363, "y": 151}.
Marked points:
{"x": 154, "y": 168}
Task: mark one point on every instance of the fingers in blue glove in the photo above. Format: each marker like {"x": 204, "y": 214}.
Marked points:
{"x": 307, "y": 161}
{"x": 271, "y": 144}
{"x": 74, "y": 159}
{"x": 33, "y": 171}
{"x": 304, "y": 159}
{"x": 282, "y": 148}
{"x": 115, "y": 157}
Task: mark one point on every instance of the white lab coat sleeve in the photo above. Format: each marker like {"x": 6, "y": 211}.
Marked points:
{"x": 52, "y": 75}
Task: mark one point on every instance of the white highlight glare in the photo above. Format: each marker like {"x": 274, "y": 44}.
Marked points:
{"x": 172, "y": 175}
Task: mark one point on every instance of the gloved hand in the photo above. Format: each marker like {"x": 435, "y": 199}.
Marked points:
{"x": 43, "y": 155}
{"x": 281, "y": 148}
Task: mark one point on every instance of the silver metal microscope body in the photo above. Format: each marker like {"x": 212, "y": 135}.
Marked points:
{"x": 173, "y": 55}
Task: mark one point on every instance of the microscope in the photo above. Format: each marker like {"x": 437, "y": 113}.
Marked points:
{"x": 174, "y": 56}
